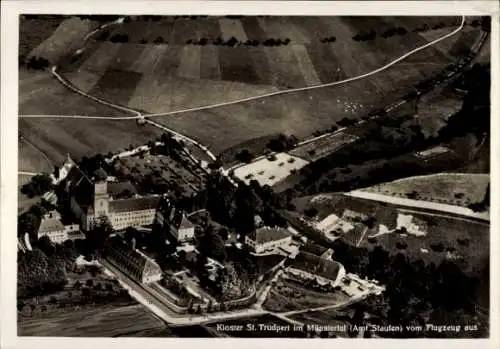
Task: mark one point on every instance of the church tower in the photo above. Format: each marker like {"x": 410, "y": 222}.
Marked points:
{"x": 101, "y": 196}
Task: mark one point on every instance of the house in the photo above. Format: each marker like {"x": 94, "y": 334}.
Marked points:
{"x": 317, "y": 250}
{"x": 132, "y": 262}
{"x": 267, "y": 240}
{"x": 51, "y": 226}
{"x": 309, "y": 267}
{"x": 180, "y": 228}
{"x": 93, "y": 198}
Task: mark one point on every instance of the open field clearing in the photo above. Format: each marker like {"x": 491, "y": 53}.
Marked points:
{"x": 304, "y": 62}
{"x": 32, "y": 32}
{"x": 322, "y": 146}
{"x": 32, "y": 159}
{"x": 457, "y": 45}
{"x": 44, "y": 95}
{"x": 270, "y": 170}
{"x": 80, "y": 137}
{"x": 439, "y": 236}
{"x": 433, "y": 113}
{"x": 448, "y": 188}
{"x": 108, "y": 321}
{"x": 299, "y": 113}
{"x": 64, "y": 40}
{"x": 289, "y": 296}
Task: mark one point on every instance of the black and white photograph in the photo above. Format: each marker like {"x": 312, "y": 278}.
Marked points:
{"x": 252, "y": 175}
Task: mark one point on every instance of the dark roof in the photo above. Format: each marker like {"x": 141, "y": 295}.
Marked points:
{"x": 100, "y": 174}
{"x": 313, "y": 264}
{"x": 130, "y": 261}
{"x": 81, "y": 187}
{"x": 313, "y": 248}
{"x": 117, "y": 188}
{"x": 134, "y": 204}
{"x": 266, "y": 234}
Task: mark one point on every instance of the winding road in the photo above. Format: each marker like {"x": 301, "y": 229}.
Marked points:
{"x": 252, "y": 98}
{"x": 140, "y": 115}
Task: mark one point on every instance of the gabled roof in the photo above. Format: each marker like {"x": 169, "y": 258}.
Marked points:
{"x": 313, "y": 248}
{"x": 319, "y": 266}
{"x": 267, "y": 234}
{"x": 117, "y": 188}
{"x": 185, "y": 223}
{"x": 48, "y": 225}
{"x": 134, "y": 204}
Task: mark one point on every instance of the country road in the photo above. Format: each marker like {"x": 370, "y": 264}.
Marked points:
{"x": 267, "y": 95}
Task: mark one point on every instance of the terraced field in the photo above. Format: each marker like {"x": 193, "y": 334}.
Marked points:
{"x": 156, "y": 71}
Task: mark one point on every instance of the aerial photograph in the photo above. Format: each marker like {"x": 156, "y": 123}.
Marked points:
{"x": 253, "y": 176}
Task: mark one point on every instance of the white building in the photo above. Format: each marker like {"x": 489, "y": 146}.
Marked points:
{"x": 52, "y": 227}
{"x": 268, "y": 240}
{"x": 309, "y": 267}
{"x": 94, "y": 198}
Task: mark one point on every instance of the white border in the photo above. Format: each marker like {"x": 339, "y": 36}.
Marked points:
{"x": 9, "y": 160}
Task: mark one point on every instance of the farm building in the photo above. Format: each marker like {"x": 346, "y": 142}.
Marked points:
{"x": 307, "y": 266}
{"x": 132, "y": 262}
{"x": 94, "y": 198}
{"x": 267, "y": 240}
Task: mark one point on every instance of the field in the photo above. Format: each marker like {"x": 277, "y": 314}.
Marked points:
{"x": 269, "y": 170}
{"x": 448, "y": 188}
{"x": 107, "y": 321}
{"x": 31, "y": 159}
{"x": 171, "y": 75}
{"x": 461, "y": 239}
{"x": 322, "y": 146}
{"x": 54, "y": 38}
{"x": 289, "y": 296}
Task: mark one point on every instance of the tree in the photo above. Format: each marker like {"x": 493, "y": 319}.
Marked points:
{"x": 89, "y": 283}
{"x": 77, "y": 285}
{"x": 245, "y": 156}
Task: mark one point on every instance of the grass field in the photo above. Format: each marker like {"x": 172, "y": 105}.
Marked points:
{"x": 172, "y": 75}
{"x": 448, "y": 188}
{"x": 54, "y": 38}
{"x": 107, "y": 321}
{"x": 31, "y": 159}
{"x": 78, "y": 137}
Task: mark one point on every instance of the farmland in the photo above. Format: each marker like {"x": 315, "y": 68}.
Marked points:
{"x": 54, "y": 38}
{"x": 31, "y": 159}
{"x": 79, "y": 137}
{"x": 169, "y": 74}
{"x": 449, "y": 188}
{"x": 108, "y": 321}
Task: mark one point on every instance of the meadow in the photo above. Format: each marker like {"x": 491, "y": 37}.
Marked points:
{"x": 449, "y": 188}
{"x": 156, "y": 70}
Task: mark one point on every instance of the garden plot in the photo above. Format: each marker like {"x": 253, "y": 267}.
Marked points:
{"x": 270, "y": 170}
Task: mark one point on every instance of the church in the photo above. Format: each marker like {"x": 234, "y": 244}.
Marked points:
{"x": 96, "y": 197}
